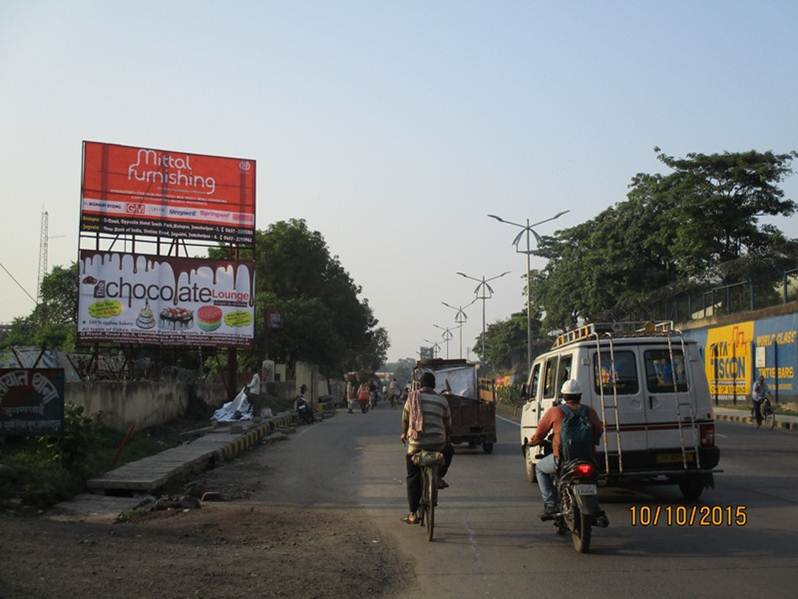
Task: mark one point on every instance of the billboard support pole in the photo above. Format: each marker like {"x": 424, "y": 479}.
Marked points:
{"x": 232, "y": 373}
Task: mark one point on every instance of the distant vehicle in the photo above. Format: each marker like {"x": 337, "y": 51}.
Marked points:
{"x": 648, "y": 385}
{"x": 473, "y": 418}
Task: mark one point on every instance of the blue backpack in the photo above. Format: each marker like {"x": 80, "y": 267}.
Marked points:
{"x": 576, "y": 434}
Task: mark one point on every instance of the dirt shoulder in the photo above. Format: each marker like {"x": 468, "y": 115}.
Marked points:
{"x": 230, "y": 549}
{"x": 246, "y": 546}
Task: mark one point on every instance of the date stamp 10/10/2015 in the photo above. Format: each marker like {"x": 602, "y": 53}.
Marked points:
{"x": 689, "y": 515}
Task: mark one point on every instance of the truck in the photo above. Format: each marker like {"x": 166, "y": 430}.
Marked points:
{"x": 473, "y": 417}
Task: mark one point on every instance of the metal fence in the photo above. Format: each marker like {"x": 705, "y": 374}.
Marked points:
{"x": 764, "y": 292}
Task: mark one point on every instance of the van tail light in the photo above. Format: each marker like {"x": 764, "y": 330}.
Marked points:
{"x": 707, "y": 434}
{"x": 585, "y": 470}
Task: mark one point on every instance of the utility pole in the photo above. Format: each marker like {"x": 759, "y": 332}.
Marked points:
{"x": 526, "y": 230}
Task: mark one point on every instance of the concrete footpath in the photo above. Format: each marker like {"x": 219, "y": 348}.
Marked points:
{"x": 152, "y": 473}
{"x": 783, "y": 422}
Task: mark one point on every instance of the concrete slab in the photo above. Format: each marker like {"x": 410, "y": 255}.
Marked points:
{"x": 151, "y": 473}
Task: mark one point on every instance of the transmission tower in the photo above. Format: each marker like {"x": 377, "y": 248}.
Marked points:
{"x": 43, "y": 240}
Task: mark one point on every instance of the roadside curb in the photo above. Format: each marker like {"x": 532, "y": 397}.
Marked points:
{"x": 253, "y": 436}
{"x": 780, "y": 425}
{"x": 154, "y": 472}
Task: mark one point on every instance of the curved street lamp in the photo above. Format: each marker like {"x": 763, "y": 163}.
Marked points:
{"x": 525, "y": 231}
{"x": 435, "y": 347}
{"x": 484, "y": 292}
{"x": 460, "y": 317}
{"x": 447, "y": 336}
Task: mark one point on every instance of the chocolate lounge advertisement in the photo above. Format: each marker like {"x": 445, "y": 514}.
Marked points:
{"x": 150, "y": 300}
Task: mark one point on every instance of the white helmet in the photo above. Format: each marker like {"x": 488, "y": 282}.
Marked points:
{"x": 571, "y": 387}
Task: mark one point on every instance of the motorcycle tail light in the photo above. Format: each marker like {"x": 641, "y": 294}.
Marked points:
{"x": 707, "y": 434}
{"x": 585, "y": 469}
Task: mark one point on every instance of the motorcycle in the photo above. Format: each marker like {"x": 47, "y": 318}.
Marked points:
{"x": 304, "y": 412}
{"x": 578, "y": 510}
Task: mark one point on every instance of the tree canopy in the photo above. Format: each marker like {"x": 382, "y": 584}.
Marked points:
{"x": 323, "y": 319}
{"x": 673, "y": 229}
{"x": 52, "y": 322}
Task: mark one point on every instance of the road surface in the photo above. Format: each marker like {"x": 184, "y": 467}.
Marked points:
{"x": 490, "y": 543}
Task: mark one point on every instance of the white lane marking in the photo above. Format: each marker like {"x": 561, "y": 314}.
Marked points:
{"x": 508, "y": 420}
{"x": 472, "y": 538}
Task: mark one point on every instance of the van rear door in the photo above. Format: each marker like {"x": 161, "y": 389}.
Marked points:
{"x": 666, "y": 385}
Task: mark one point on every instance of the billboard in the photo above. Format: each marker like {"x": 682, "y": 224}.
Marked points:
{"x": 31, "y": 401}
{"x": 142, "y": 191}
{"x": 732, "y": 373}
{"x": 152, "y": 300}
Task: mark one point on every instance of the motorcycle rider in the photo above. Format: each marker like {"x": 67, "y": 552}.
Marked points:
{"x": 571, "y": 392}
{"x": 302, "y": 407}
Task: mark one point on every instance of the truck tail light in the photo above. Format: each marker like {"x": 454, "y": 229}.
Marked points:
{"x": 707, "y": 434}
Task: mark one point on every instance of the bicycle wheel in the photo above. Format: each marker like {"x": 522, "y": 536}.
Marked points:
{"x": 431, "y": 492}
{"x": 768, "y": 416}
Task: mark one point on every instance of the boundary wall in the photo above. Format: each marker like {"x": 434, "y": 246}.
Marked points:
{"x": 737, "y": 348}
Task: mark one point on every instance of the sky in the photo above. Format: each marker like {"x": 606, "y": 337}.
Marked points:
{"x": 391, "y": 127}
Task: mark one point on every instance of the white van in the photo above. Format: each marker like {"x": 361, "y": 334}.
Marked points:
{"x": 656, "y": 408}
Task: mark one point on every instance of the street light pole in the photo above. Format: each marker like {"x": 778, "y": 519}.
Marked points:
{"x": 526, "y": 231}
{"x": 435, "y": 347}
{"x": 483, "y": 292}
{"x": 460, "y": 318}
{"x": 446, "y": 335}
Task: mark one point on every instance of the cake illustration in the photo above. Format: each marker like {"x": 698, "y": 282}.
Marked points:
{"x": 209, "y": 318}
{"x": 146, "y": 319}
{"x": 176, "y": 319}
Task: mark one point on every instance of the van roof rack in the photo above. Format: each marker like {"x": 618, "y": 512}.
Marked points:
{"x": 636, "y": 328}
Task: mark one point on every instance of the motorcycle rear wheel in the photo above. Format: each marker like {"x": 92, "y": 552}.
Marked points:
{"x": 581, "y": 534}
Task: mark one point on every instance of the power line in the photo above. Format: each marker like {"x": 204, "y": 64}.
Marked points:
{"x": 19, "y": 284}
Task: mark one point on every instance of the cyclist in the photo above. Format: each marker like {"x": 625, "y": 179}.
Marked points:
{"x": 758, "y": 392}
{"x": 426, "y": 424}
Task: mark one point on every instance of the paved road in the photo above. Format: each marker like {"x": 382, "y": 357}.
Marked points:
{"x": 489, "y": 542}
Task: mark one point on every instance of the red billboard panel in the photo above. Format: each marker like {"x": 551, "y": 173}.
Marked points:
{"x": 159, "y": 300}
{"x": 142, "y": 191}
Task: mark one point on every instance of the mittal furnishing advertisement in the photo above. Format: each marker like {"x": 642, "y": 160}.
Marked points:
{"x": 141, "y": 191}
{"x": 150, "y": 300}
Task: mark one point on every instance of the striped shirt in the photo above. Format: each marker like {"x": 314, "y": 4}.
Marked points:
{"x": 437, "y": 419}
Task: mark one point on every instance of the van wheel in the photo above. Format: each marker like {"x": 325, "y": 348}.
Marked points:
{"x": 487, "y": 447}
{"x": 530, "y": 466}
{"x": 691, "y": 487}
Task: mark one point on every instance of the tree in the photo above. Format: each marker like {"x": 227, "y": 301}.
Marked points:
{"x": 323, "y": 319}
{"x": 52, "y": 322}
{"x": 673, "y": 230}
{"x": 402, "y": 370}
{"x": 505, "y": 342}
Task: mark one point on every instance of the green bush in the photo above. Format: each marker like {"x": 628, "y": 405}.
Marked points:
{"x": 510, "y": 394}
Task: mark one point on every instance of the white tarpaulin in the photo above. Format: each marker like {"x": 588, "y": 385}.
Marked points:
{"x": 227, "y": 413}
{"x": 462, "y": 380}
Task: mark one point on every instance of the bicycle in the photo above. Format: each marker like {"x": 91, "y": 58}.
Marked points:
{"x": 767, "y": 412}
{"x": 429, "y": 462}
{"x": 768, "y": 415}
